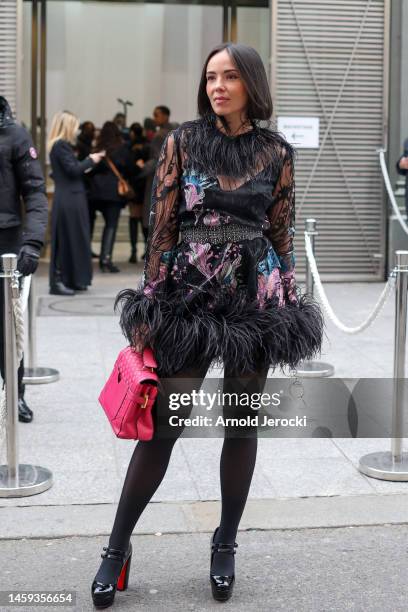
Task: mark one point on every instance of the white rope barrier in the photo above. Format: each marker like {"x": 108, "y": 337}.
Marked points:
{"x": 25, "y": 292}
{"x": 19, "y": 307}
{"x": 390, "y": 191}
{"x": 326, "y": 305}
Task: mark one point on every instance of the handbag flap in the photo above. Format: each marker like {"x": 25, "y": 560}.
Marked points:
{"x": 132, "y": 365}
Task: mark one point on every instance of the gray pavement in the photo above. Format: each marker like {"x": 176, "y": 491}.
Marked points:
{"x": 328, "y": 537}
{"x": 325, "y": 570}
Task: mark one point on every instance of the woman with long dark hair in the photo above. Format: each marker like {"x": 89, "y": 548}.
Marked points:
{"x": 226, "y": 292}
{"x": 103, "y": 191}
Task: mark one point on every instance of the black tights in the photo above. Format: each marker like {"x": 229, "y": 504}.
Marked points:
{"x": 150, "y": 460}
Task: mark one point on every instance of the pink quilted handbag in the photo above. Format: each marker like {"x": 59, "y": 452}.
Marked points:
{"x": 129, "y": 394}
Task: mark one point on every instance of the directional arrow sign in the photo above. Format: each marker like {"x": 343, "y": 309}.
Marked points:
{"x": 302, "y": 132}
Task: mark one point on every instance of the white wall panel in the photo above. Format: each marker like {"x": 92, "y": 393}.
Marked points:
{"x": 328, "y": 62}
{"x": 9, "y": 52}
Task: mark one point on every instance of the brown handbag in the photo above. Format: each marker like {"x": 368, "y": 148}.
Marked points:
{"x": 125, "y": 190}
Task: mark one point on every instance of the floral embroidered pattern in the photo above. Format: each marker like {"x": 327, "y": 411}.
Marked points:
{"x": 268, "y": 286}
{"x": 200, "y": 257}
{"x": 226, "y": 273}
{"x": 214, "y": 217}
{"x": 178, "y": 192}
{"x": 194, "y": 192}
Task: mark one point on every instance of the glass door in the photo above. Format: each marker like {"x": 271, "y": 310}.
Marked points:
{"x": 150, "y": 53}
{"x": 249, "y": 22}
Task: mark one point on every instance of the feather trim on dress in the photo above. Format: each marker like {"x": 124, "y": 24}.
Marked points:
{"x": 234, "y": 331}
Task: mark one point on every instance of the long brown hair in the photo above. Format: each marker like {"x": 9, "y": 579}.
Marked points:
{"x": 109, "y": 138}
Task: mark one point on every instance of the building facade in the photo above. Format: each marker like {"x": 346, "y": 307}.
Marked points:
{"x": 338, "y": 74}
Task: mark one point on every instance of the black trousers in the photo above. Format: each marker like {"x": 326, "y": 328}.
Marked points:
{"x": 10, "y": 242}
{"x": 111, "y": 213}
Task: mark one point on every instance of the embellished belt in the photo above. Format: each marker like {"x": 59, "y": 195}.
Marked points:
{"x": 217, "y": 234}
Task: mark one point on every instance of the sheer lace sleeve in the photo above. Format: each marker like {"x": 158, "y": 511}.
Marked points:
{"x": 163, "y": 221}
{"x": 281, "y": 216}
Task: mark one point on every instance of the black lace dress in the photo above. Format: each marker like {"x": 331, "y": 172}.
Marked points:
{"x": 233, "y": 302}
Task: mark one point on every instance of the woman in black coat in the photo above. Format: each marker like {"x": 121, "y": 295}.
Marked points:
{"x": 71, "y": 263}
{"x": 104, "y": 188}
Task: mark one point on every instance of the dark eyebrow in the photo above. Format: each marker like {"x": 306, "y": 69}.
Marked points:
{"x": 229, "y": 70}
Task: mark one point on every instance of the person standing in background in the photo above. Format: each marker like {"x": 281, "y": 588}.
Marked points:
{"x": 104, "y": 188}
{"x": 139, "y": 148}
{"x": 161, "y": 116}
{"x": 71, "y": 263}
{"x": 85, "y": 140}
{"x": 120, "y": 121}
{"x": 149, "y": 128}
{"x": 402, "y": 168}
{"x": 20, "y": 177}
{"x": 84, "y": 146}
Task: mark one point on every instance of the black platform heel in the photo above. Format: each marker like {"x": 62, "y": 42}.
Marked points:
{"x": 221, "y": 586}
{"x": 106, "y": 265}
{"x": 104, "y": 594}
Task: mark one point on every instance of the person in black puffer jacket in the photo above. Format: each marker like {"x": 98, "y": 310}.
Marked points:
{"x": 104, "y": 188}
{"x": 20, "y": 177}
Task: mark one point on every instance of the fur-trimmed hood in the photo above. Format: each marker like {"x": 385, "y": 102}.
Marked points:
{"x": 6, "y": 116}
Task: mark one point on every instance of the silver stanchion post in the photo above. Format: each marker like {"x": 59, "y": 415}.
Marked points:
{"x": 16, "y": 480}
{"x": 310, "y": 228}
{"x": 394, "y": 465}
{"x": 10, "y": 366}
{"x": 312, "y": 369}
{"x": 34, "y": 375}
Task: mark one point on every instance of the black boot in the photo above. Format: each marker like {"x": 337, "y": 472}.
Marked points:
{"x": 107, "y": 266}
{"x": 133, "y": 238}
{"x": 57, "y": 287}
{"x": 25, "y": 415}
{"x": 108, "y": 240}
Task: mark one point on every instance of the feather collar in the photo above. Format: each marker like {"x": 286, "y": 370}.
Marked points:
{"x": 207, "y": 149}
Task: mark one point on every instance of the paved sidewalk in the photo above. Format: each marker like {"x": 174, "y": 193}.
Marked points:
{"x": 316, "y": 570}
{"x": 71, "y": 435}
{"x": 310, "y": 487}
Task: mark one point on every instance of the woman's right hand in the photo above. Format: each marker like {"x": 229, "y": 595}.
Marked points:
{"x": 96, "y": 157}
